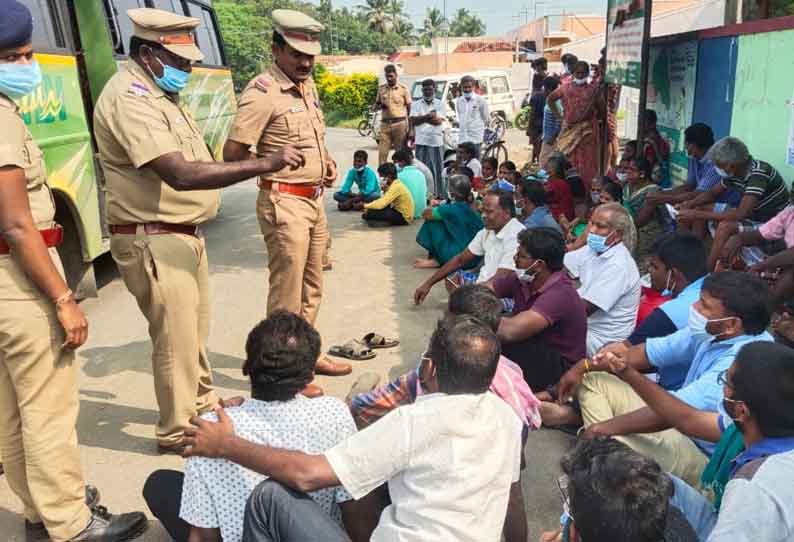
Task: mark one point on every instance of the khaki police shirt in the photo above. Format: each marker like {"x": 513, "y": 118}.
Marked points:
{"x": 134, "y": 123}
{"x": 395, "y": 100}
{"x": 18, "y": 149}
{"x": 273, "y": 112}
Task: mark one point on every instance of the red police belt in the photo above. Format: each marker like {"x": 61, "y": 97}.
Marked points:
{"x": 51, "y": 237}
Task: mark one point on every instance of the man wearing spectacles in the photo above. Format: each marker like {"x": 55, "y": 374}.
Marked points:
{"x": 755, "y": 500}
{"x": 733, "y": 310}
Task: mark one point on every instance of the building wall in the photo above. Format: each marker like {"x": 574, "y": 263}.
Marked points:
{"x": 762, "y": 112}
{"x": 456, "y": 63}
{"x": 583, "y": 27}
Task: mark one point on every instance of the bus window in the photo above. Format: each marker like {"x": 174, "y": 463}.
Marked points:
{"x": 206, "y": 35}
{"x": 47, "y": 32}
{"x": 119, "y": 22}
{"x": 174, "y": 6}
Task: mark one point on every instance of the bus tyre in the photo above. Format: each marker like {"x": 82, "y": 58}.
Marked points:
{"x": 79, "y": 273}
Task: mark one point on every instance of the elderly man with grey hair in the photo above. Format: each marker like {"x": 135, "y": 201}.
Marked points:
{"x": 763, "y": 194}
{"x": 610, "y": 280}
{"x": 473, "y": 114}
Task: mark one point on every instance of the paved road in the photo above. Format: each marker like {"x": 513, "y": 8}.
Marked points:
{"x": 369, "y": 289}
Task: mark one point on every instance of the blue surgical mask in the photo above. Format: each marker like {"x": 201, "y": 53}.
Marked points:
{"x": 173, "y": 80}
{"x": 597, "y": 243}
{"x": 721, "y": 172}
{"x": 468, "y": 95}
{"x": 668, "y": 292}
{"x": 399, "y": 168}
{"x": 595, "y": 197}
{"x": 17, "y": 80}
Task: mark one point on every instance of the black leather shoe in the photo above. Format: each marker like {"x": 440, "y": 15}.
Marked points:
{"x": 35, "y": 532}
{"x": 106, "y": 527}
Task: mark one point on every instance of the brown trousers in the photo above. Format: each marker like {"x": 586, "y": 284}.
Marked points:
{"x": 392, "y": 136}
{"x": 295, "y": 230}
{"x": 168, "y": 275}
{"x": 39, "y": 405}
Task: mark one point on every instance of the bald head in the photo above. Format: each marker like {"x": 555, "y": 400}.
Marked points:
{"x": 465, "y": 353}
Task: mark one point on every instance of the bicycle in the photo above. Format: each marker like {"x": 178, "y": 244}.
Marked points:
{"x": 367, "y": 123}
{"x": 494, "y": 145}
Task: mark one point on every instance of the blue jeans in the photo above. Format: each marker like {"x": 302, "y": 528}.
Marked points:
{"x": 697, "y": 509}
{"x": 276, "y": 513}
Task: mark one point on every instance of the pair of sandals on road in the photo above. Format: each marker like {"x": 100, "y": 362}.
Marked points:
{"x": 362, "y": 349}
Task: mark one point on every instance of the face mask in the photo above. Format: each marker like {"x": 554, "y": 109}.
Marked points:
{"x": 468, "y": 95}
{"x": 721, "y": 172}
{"x": 429, "y": 100}
{"x": 360, "y": 168}
{"x": 697, "y": 325}
{"x": 726, "y": 411}
{"x": 566, "y": 70}
{"x": 578, "y": 81}
{"x": 17, "y": 80}
{"x": 525, "y": 276}
{"x": 519, "y": 210}
{"x": 597, "y": 243}
{"x": 173, "y": 80}
{"x": 399, "y": 168}
{"x": 668, "y": 292}
{"x": 622, "y": 177}
{"x": 542, "y": 174}
{"x": 595, "y": 197}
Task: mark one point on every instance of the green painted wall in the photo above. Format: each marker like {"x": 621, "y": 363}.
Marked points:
{"x": 762, "y": 114}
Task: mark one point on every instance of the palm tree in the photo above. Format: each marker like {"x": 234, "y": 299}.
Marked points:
{"x": 376, "y": 13}
{"x": 466, "y": 24}
{"x": 396, "y": 12}
{"x": 433, "y": 25}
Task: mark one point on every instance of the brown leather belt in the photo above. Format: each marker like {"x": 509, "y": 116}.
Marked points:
{"x": 51, "y": 237}
{"x": 154, "y": 228}
{"x": 304, "y": 190}
{"x": 394, "y": 120}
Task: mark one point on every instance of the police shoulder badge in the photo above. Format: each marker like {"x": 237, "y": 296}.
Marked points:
{"x": 262, "y": 83}
{"x": 139, "y": 89}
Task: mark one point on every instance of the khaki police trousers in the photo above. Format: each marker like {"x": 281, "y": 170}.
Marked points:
{"x": 295, "y": 230}
{"x": 603, "y": 396}
{"x": 392, "y": 136}
{"x": 168, "y": 275}
{"x": 38, "y": 411}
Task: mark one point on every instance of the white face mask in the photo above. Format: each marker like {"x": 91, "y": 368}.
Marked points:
{"x": 360, "y": 168}
{"x": 622, "y": 177}
{"x": 578, "y": 81}
{"x": 721, "y": 172}
{"x": 698, "y": 323}
{"x": 525, "y": 276}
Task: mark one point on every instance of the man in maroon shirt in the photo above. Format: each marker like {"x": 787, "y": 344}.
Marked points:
{"x": 546, "y": 334}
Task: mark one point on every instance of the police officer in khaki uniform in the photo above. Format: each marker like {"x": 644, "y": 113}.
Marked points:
{"x": 394, "y": 101}
{"x": 161, "y": 185}
{"x": 40, "y": 327}
{"x": 280, "y": 107}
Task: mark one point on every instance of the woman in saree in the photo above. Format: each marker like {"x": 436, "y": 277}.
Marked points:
{"x": 450, "y": 227}
{"x": 582, "y": 102}
{"x": 639, "y": 185}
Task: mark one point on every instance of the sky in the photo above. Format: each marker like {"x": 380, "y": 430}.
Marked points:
{"x": 503, "y": 15}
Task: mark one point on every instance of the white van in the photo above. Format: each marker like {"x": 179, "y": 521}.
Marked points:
{"x": 493, "y": 85}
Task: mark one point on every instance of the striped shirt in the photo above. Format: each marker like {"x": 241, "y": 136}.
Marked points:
{"x": 551, "y": 125}
{"x": 763, "y": 181}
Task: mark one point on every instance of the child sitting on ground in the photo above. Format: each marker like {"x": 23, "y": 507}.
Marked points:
{"x": 364, "y": 178}
{"x": 395, "y": 207}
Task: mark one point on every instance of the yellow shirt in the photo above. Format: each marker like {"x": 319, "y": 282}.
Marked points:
{"x": 398, "y": 197}
{"x": 134, "y": 123}
{"x": 273, "y": 112}
{"x": 18, "y": 149}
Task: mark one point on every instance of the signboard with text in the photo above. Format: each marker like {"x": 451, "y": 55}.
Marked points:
{"x": 625, "y": 31}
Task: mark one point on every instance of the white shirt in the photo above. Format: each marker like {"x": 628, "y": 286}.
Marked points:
{"x": 498, "y": 248}
{"x": 611, "y": 282}
{"x": 216, "y": 490}
{"x": 475, "y": 166}
{"x": 429, "y": 134}
{"x": 473, "y": 117}
{"x": 449, "y": 461}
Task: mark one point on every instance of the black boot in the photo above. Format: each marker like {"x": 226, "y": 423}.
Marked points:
{"x": 35, "y": 532}
{"x": 106, "y": 527}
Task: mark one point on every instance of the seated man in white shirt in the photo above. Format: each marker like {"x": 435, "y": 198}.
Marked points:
{"x": 610, "y": 280}
{"x": 280, "y": 356}
{"x": 467, "y": 157}
{"x": 496, "y": 243}
{"x": 449, "y": 459}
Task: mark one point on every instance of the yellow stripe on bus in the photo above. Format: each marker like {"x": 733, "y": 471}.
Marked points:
{"x": 63, "y": 60}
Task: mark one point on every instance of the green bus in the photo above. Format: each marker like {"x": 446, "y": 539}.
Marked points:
{"x": 80, "y": 44}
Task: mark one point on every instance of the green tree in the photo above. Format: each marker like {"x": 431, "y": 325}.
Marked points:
{"x": 433, "y": 25}
{"x": 247, "y": 38}
{"x": 466, "y": 24}
{"x": 376, "y": 12}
